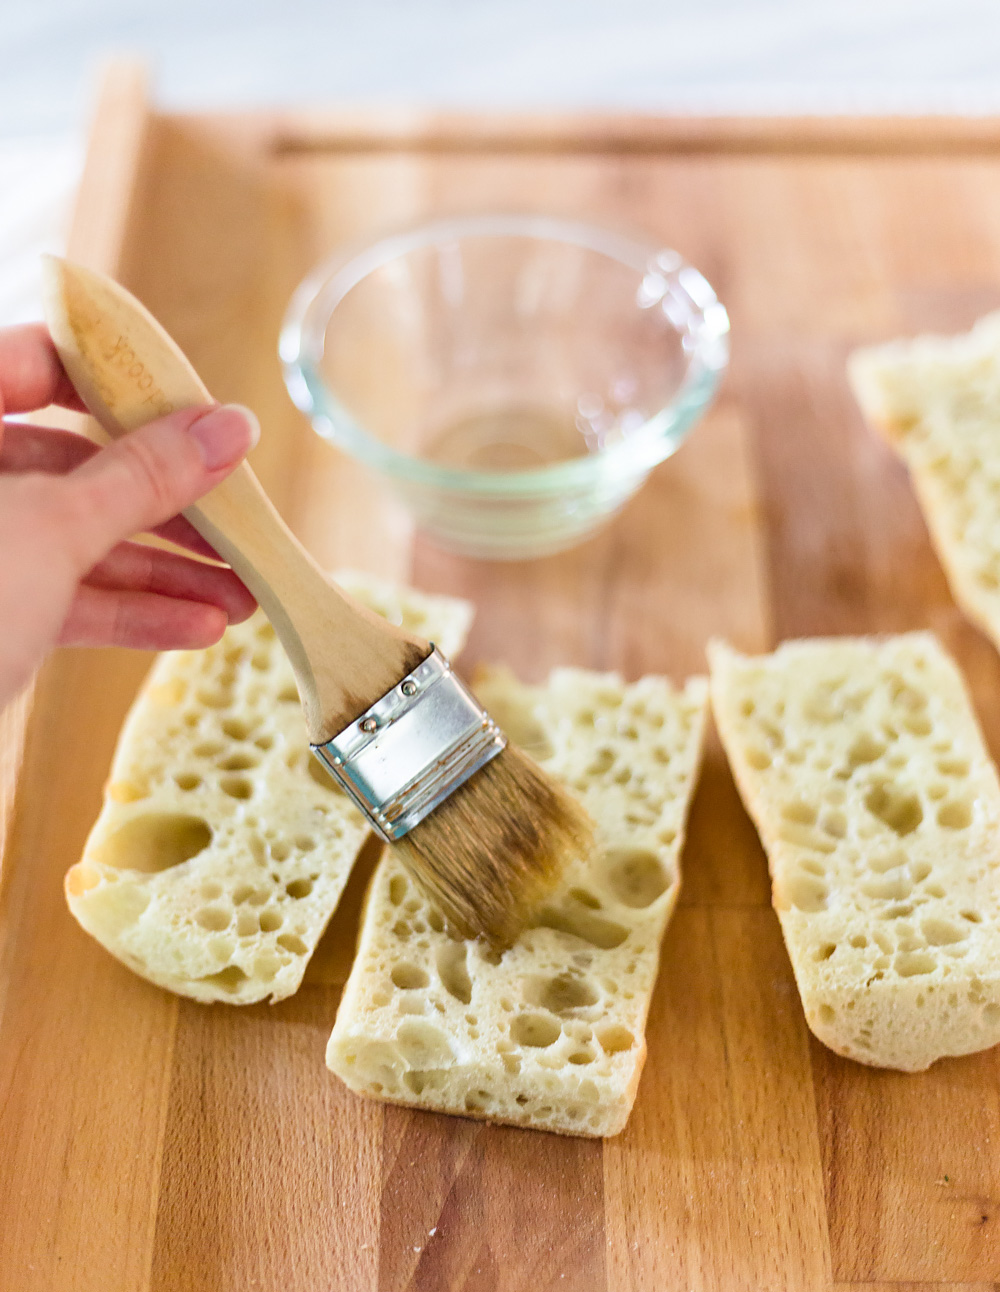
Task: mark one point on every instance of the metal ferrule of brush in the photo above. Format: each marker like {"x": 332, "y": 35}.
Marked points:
{"x": 413, "y": 747}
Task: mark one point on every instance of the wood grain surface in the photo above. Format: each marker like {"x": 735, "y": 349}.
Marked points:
{"x": 149, "y": 1144}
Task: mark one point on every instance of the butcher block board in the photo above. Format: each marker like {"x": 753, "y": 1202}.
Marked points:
{"x": 150, "y": 1143}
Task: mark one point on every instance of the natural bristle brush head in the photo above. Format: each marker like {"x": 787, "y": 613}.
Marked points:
{"x": 489, "y": 854}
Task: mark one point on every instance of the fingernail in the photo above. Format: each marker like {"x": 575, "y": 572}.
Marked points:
{"x": 225, "y": 434}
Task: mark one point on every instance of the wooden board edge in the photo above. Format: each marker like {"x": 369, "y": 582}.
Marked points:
{"x": 418, "y": 130}
{"x": 97, "y": 229}
{"x": 13, "y": 732}
{"x": 107, "y": 187}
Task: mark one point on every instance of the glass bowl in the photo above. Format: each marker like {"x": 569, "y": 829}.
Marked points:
{"x": 514, "y": 378}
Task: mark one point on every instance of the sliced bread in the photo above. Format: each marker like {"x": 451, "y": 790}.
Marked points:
{"x": 937, "y": 401}
{"x": 549, "y": 1034}
{"x": 862, "y": 765}
{"x": 223, "y": 846}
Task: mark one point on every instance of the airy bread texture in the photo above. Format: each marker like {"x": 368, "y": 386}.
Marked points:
{"x": 937, "y": 401}
{"x": 863, "y": 767}
{"x": 223, "y": 846}
{"x": 550, "y": 1033}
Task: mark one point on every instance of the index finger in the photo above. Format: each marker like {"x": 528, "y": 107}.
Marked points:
{"x": 41, "y": 448}
{"x": 31, "y": 374}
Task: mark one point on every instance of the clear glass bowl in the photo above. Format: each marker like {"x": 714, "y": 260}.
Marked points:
{"x": 513, "y": 377}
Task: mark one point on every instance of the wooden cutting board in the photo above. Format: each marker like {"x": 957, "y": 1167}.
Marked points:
{"x": 151, "y": 1143}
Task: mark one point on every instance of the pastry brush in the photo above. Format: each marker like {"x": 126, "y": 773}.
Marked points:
{"x": 482, "y": 829}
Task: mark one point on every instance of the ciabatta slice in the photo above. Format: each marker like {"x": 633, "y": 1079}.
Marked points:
{"x": 937, "y": 401}
{"x": 223, "y": 846}
{"x": 551, "y": 1033}
{"x": 863, "y": 767}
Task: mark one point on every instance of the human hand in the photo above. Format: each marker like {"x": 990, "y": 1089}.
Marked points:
{"x": 67, "y": 577}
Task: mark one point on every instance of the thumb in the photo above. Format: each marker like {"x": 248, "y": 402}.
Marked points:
{"x": 152, "y": 473}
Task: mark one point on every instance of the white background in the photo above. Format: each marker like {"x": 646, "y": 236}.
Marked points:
{"x": 703, "y": 55}
{"x": 771, "y": 56}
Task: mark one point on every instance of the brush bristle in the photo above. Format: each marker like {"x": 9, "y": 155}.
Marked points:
{"x": 494, "y": 848}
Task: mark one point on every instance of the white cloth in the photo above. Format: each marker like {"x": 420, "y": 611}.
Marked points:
{"x": 703, "y": 56}
{"x": 39, "y": 178}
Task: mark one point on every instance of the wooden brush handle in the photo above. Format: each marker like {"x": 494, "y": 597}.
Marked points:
{"x": 128, "y": 371}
